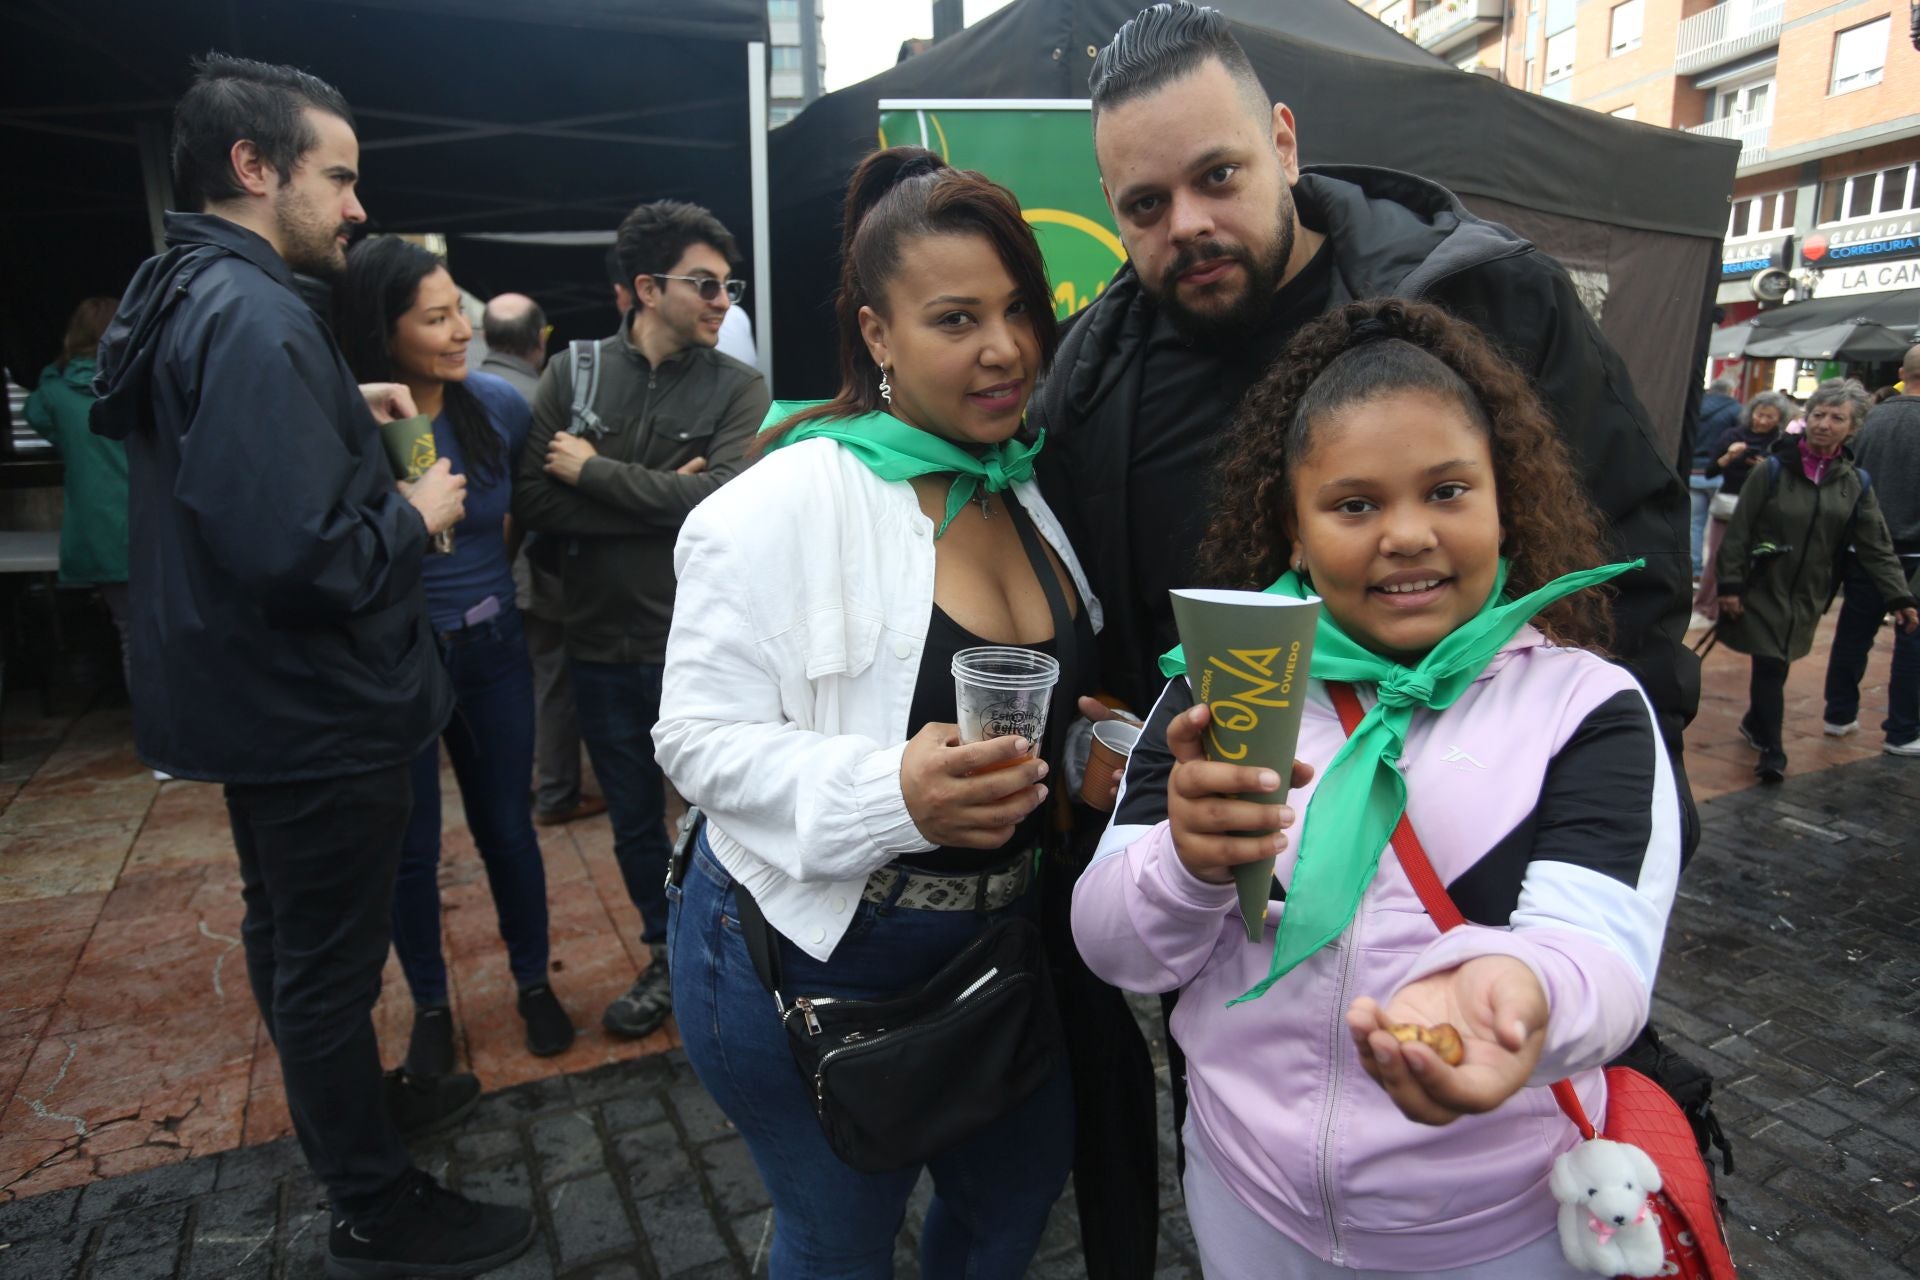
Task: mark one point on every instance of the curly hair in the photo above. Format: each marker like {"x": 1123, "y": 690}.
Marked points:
{"x": 1372, "y": 348}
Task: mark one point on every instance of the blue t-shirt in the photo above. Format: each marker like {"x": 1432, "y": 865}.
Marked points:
{"x": 478, "y": 567}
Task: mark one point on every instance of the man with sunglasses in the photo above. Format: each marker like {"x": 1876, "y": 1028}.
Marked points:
{"x": 629, "y": 433}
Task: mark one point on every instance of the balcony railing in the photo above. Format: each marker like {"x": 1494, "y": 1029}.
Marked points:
{"x": 1453, "y": 22}
{"x": 1726, "y": 31}
{"x": 1751, "y": 128}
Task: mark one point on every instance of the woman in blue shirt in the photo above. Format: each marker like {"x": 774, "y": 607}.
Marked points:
{"x": 398, "y": 320}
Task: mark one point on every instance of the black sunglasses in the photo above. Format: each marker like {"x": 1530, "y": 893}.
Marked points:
{"x": 709, "y": 288}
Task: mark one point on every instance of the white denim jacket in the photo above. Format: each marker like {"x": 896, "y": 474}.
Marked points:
{"x": 805, "y": 590}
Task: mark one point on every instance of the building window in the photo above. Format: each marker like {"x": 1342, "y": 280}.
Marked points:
{"x": 1869, "y": 195}
{"x": 1628, "y": 112}
{"x": 1757, "y": 215}
{"x": 1560, "y": 55}
{"x": 1559, "y": 15}
{"x": 1528, "y": 83}
{"x": 1626, "y": 27}
{"x": 786, "y": 57}
{"x": 777, "y": 116}
{"x": 783, "y": 10}
{"x": 1752, "y": 100}
{"x": 1860, "y": 56}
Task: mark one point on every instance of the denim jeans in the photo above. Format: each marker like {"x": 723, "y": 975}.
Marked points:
{"x": 317, "y": 863}
{"x": 1700, "y": 491}
{"x": 490, "y": 741}
{"x": 1861, "y": 613}
{"x": 992, "y": 1193}
{"x": 617, "y": 704}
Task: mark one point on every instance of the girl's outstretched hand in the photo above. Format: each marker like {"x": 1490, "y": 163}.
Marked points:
{"x": 1500, "y": 1011}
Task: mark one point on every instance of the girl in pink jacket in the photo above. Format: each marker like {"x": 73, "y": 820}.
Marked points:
{"x": 1395, "y": 466}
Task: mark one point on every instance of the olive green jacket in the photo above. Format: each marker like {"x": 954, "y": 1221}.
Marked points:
{"x": 1785, "y": 593}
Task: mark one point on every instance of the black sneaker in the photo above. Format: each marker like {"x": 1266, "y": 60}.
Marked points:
{"x": 1746, "y": 731}
{"x": 430, "y": 1047}
{"x": 648, "y": 1002}
{"x": 1772, "y": 766}
{"x": 549, "y": 1029}
{"x": 428, "y": 1231}
{"x": 427, "y": 1104}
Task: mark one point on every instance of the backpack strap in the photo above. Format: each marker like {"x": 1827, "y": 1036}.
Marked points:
{"x": 1433, "y": 892}
{"x": 582, "y": 420}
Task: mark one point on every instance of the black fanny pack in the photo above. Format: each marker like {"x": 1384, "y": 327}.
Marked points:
{"x": 899, "y": 1080}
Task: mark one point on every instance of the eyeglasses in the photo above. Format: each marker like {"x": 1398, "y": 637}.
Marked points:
{"x": 709, "y": 288}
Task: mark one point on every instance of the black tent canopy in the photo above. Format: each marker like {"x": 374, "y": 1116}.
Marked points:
{"x": 1636, "y": 212}
{"x": 473, "y": 116}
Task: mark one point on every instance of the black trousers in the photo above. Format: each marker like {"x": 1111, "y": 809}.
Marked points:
{"x": 1767, "y": 700}
{"x": 317, "y": 862}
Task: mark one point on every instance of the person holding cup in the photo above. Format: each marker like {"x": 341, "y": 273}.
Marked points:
{"x": 877, "y": 637}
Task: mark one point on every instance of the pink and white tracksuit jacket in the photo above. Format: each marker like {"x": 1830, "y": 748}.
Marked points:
{"x": 1547, "y": 805}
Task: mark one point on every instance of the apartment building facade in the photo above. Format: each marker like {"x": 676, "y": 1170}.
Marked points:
{"x": 1822, "y": 95}
{"x": 796, "y": 55}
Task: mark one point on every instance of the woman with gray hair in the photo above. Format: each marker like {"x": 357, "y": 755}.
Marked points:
{"x": 1800, "y": 508}
{"x": 1733, "y": 454}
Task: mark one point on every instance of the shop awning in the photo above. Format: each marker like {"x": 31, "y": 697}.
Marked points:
{"x": 1729, "y": 342}
{"x": 1860, "y": 327}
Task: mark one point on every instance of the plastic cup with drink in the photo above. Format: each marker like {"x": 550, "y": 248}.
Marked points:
{"x": 1002, "y": 692}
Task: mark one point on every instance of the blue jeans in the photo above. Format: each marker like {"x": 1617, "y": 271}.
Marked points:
{"x": 1860, "y": 615}
{"x": 992, "y": 1193}
{"x": 1700, "y": 491}
{"x": 617, "y": 704}
{"x": 490, "y": 741}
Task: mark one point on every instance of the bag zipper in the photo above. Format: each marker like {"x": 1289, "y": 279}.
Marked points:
{"x": 855, "y": 1041}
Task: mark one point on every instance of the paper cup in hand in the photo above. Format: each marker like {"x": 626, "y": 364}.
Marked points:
{"x": 1002, "y": 692}
{"x": 411, "y": 452}
{"x": 1113, "y": 742}
{"x": 1247, "y": 655}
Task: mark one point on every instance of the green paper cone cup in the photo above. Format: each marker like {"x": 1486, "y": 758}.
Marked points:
{"x": 1247, "y": 656}
{"x": 412, "y": 453}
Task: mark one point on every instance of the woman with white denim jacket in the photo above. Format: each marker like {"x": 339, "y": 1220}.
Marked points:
{"x": 808, "y": 711}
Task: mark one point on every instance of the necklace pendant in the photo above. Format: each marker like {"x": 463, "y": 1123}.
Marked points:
{"x": 986, "y": 505}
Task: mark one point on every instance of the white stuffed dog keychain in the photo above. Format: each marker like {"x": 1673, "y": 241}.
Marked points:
{"x": 1607, "y": 1222}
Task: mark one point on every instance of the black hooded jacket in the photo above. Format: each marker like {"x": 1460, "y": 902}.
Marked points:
{"x": 276, "y": 615}
{"x": 1388, "y": 233}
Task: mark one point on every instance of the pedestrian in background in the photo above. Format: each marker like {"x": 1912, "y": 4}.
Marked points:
{"x": 1888, "y": 449}
{"x": 280, "y": 636}
{"x": 1734, "y": 453}
{"x": 1719, "y": 413}
{"x": 398, "y": 319}
{"x": 93, "y": 514}
{"x": 1800, "y": 508}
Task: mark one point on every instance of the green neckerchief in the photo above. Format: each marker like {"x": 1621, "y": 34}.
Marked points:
{"x": 893, "y": 450}
{"x": 1362, "y": 793}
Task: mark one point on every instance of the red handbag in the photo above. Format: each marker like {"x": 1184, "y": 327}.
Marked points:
{"x": 1639, "y": 1111}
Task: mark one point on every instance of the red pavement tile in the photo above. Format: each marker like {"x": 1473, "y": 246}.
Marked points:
{"x": 187, "y": 825}
{"x": 157, "y": 966}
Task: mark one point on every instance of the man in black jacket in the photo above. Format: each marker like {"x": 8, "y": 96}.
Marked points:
{"x": 1232, "y": 247}
{"x": 279, "y": 634}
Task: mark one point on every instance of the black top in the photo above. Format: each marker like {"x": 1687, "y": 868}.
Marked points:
{"x": 935, "y": 701}
{"x": 1170, "y": 474}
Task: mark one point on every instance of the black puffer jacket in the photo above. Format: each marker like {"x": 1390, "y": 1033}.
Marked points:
{"x": 1391, "y": 234}
{"x": 277, "y": 620}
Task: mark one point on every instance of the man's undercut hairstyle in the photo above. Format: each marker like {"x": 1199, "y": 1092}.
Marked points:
{"x": 1164, "y": 42}
{"x": 520, "y": 335}
{"x": 235, "y": 98}
{"x": 652, "y": 238}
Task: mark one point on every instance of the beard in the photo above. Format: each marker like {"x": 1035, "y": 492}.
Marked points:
{"x": 309, "y": 242}
{"x": 1237, "y": 318}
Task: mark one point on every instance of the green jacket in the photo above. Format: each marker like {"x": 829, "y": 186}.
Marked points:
{"x": 93, "y": 524}
{"x": 1784, "y": 595}
{"x": 616, "y": 529}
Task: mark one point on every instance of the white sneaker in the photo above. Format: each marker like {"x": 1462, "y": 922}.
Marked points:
{"x": 162, "y": 777}
{"x": 1903, "y": 748}
{"x": 1839, "y": 730}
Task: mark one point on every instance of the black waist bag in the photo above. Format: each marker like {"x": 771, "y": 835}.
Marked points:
{"x": 897, "y": 1081}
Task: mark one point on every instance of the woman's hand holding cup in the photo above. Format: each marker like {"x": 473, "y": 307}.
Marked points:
{"x": 969, "y": 795}
{"x": 1213, "y": 830}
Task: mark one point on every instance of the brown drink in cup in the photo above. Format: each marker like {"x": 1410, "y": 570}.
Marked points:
{"x": 1113, "y": 742}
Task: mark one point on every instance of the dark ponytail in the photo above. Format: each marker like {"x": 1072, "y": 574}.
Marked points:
{"x": 1369, "y": 349}
{"x": 909, "y": 191}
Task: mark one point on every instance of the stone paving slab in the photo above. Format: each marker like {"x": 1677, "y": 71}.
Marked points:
{"x": 1792, "y": 970}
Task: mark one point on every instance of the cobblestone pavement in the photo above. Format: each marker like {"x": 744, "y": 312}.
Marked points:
{"x": 1792, "y": 970}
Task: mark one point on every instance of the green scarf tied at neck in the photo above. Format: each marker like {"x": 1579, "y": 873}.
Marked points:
{"x": 893, "y": 450}
{"x": 1362, "y": 794}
